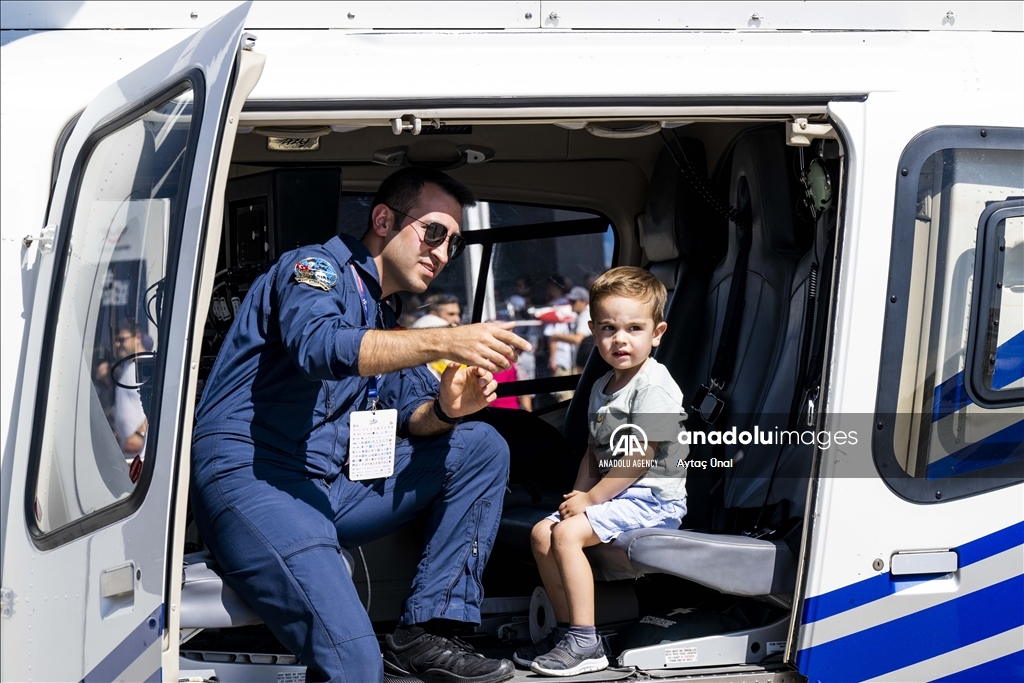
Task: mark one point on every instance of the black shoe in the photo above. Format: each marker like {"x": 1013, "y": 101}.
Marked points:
{"x": 437, "y": 659}
{"x": 525, "y": 655}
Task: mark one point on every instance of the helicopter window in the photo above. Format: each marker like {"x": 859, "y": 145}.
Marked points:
{"x": 98, "y": 422}
{"x": 954, "y": 417}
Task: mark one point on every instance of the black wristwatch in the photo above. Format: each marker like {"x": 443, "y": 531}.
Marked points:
{"x": 439, "y": 414}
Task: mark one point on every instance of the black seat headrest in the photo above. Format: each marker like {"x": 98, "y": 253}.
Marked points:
{"x": 675, "y": 218}
{"x": 658, "y": 228}
{"x": 760, "y": 181}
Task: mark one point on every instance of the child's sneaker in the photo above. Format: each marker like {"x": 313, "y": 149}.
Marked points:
{"x": 525, "y": 655}
{"x": 565, "y": 660}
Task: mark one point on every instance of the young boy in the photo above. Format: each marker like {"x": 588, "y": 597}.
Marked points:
{"x": 621, "y": 485}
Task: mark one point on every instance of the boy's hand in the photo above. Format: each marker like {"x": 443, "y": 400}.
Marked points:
{"x": 576, "y": 503}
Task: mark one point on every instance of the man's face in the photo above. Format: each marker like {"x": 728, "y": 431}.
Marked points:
{"x": 578, "y": 305}
{"x": 410, "y": 263}
{"x": 126, "y": 343}
{"x": 452, "y": 313}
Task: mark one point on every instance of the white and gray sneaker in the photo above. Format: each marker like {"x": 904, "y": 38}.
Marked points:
{"x": 566, "y": 660}
{"x": 525, "y": 655}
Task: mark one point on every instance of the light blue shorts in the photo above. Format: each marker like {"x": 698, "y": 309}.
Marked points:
{"x": 635, "y": 508}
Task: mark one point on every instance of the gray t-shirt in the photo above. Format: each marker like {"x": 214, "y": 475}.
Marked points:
{"x": 653, "y": 402}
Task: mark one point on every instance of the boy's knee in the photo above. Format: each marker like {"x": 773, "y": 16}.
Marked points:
{"x": 540, "y": 537}
{"x": 562, "y": 533}
{"x": 571, "y": 532}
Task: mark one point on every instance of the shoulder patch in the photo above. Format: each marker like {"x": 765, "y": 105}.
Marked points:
{"x": 316, "y": 272}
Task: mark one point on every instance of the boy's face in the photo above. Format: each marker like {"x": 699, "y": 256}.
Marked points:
{"x": 624, "y": 331}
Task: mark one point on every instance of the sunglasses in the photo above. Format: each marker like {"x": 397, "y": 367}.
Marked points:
{"x": 435, "y": 235}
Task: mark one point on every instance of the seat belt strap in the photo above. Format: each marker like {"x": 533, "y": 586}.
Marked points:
{"x": 809, "y": 367}
{"x": 706, "y": 403}
{"x": 807, "y": 336}
{"x": 725, "y": 356}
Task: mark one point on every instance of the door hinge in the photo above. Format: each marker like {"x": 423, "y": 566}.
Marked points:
{"x": 412, "y": 124}
{"x": 45, "y": 239}
{"x": 6, "y": 602}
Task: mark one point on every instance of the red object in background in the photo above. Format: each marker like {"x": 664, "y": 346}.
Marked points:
{"x": 554, "y": 314}
{"x": 135, "y": 469}
{"x": 508, "y": 375}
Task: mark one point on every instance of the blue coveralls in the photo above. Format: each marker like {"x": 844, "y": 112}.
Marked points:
{"x": 270, "y": 494}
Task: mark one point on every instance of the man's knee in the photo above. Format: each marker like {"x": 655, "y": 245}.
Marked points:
{"x": 484, "y": 444}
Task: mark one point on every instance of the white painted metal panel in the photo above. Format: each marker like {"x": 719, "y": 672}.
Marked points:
{"x": 396, "y": 15}
{"x": 551, "y": 14}
{"x": 18, "y": 14}
{"x": 876, "y": 523}
{"x": 274, "y": 15}
{"x": 799, "y": 16}
{"x": 857, "y": 519}
{"x": 578, "y": 64}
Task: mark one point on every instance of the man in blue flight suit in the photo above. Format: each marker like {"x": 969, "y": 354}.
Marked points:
{"x": 271, "y": 491}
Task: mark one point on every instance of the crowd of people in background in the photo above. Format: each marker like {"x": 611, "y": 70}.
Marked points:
{"x": 554, "y": 317}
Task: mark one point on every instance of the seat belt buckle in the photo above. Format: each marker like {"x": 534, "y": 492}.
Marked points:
{"x": 707, "y": 404}
{"x": 759, "y": 533}
{"x": 812, "y": 406}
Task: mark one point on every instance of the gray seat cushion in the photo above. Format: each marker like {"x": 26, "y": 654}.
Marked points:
{"x": 737, "y": 565}
{"x": 207, "y": 602}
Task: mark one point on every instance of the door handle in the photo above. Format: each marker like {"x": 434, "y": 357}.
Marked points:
{"x": 919, "y": 562}
{"x": 117, "y": 581}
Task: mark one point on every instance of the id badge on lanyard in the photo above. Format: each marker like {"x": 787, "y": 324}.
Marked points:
{"x": 372, "y": 433}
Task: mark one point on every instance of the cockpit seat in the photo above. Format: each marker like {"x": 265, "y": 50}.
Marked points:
{"x": 208, "y": 602}
{"x": 732, "y": 564}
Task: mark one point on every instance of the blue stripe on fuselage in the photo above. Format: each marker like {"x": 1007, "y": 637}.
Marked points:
{"x": 1009, "y": 366}
{"x": 914, "y": 638}
{"x": 951, "y": 396}
{"x": 129, "y": 649}
{"x": 877, "y": 587}
{"x": 1006, "y": 445}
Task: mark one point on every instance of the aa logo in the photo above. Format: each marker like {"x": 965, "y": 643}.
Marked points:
{"x": 627, "y": 441}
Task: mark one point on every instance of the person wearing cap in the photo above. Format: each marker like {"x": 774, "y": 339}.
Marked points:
{"x": 562, "y": 340}
{"x": 576, "y": 334}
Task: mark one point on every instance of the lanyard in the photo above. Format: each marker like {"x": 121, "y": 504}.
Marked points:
{"x": 372, "y": 394}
